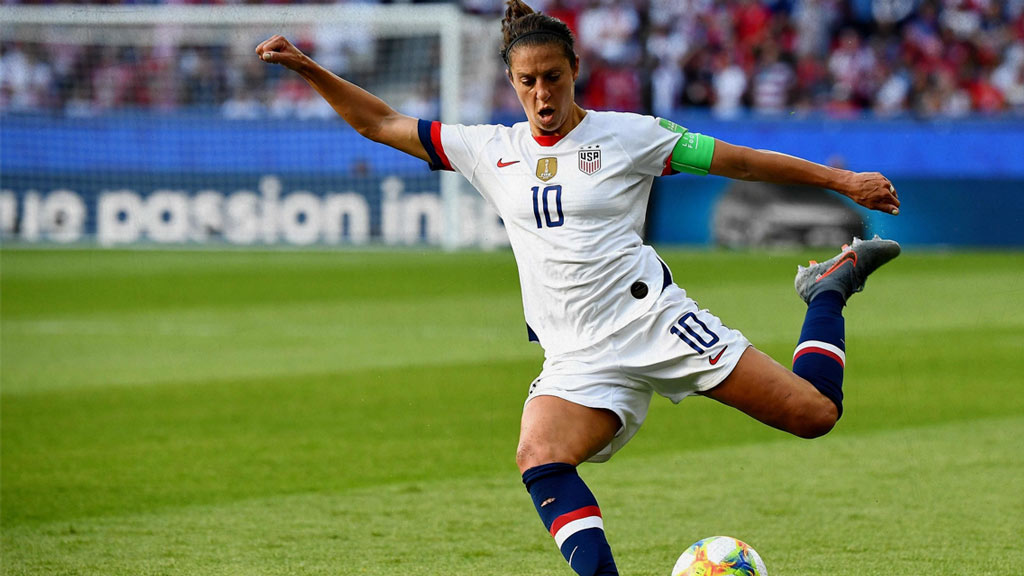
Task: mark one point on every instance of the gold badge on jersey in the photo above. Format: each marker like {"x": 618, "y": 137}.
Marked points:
{"x": 547, "y": 168}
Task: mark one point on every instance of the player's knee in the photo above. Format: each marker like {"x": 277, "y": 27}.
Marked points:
{"x": 531, "y": 454}
{"x": 528, "y": 455}
{"x": 815, "y": 428}
{"x": 815, "y": 421}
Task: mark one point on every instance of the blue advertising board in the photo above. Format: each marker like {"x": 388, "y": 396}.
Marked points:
{"x": 184, "y": 178}
{"x": 937, "y": 212}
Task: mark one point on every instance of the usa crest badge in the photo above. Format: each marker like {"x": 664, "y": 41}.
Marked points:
{"x": 590, "y": 160}
{"x": 547, "y": 168}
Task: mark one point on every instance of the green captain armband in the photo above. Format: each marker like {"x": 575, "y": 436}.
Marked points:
{"x": 693, "y": 151}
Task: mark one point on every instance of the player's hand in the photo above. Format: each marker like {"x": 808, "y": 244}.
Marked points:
{"x": 278, "y": 50}
{"x": 874, "y": 191}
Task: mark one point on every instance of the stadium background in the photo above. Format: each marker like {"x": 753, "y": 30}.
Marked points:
{"x": 169, "y": 126}
{"x": 245, "y": 409}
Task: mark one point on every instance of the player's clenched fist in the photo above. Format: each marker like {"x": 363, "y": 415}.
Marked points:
{"x": 279, "y": 50}
{"x": 874, "y": 191}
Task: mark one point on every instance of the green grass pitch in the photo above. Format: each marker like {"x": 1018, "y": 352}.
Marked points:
{"x": 356, "y": 413}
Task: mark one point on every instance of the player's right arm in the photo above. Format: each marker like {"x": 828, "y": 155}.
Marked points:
{"x": 366, "y": 113}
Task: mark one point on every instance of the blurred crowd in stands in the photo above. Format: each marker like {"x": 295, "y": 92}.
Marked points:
{"x": 919, "y": 58}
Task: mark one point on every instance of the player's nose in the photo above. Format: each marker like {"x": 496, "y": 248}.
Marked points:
{"x": 542, "y": 92}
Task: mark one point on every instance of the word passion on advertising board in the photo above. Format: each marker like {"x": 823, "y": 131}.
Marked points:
{"x": 268, "y": 215}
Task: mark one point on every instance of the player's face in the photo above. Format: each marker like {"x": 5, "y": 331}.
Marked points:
{"x": 544, "y": 80}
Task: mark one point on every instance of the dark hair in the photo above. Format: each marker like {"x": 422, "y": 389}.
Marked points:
{"x": 524, "y": 27}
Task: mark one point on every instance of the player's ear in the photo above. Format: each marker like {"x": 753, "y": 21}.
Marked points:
{"x": 508, "y": 73}
{"x": 575, "y": 66}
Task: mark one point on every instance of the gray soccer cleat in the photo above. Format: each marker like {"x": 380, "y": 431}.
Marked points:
{"x": 847, "y": 272}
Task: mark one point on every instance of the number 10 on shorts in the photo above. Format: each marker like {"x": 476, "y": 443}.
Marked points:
{"x": 695, "y": 333}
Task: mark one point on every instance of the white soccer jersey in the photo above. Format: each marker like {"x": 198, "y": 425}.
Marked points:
{"x": 574, "y": 209}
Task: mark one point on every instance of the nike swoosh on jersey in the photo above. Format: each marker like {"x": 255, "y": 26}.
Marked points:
{"x": 504, "y": 164}
{"x": 714, "y": 359}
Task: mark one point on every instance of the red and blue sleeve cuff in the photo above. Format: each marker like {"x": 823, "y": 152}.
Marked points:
{"x": 430, "y": 138}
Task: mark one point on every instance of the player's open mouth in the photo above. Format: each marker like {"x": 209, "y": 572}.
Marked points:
{"x": 546, "y": 114}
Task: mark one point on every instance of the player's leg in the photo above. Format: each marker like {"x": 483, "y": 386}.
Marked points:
{"x": 809, "y": 400}
{"x": 557, "y": 435}
{"x": 764, "y": 389}
{"x": 556, "y": 430}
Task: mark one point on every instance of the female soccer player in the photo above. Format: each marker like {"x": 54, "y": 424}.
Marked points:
{"x": 572, "y": 187}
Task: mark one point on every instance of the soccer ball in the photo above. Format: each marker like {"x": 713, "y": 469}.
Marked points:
{"x": 719, "y": 556}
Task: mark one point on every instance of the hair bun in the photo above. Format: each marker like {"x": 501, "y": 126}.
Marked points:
{"x": 524, "y": 23}
{"x": 515, "y": 9}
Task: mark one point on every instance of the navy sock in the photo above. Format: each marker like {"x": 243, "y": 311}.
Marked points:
{"x": 570, "y": 513}
{"x": 820, "y": 357}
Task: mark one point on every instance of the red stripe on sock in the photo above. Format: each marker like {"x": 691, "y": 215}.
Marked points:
{"x": 822, "y": 351}
{"x": 585, "y": 512}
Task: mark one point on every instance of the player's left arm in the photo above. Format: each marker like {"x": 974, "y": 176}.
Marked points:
{"x": 869, "y": 189}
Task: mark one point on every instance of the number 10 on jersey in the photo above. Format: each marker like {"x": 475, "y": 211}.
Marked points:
{"x": 542, "y": 202}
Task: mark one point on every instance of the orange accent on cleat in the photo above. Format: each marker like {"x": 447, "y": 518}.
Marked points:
{"x": 865, "y": 256}
{"x": 850, "y": 256}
